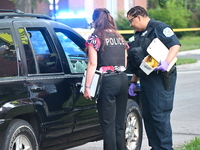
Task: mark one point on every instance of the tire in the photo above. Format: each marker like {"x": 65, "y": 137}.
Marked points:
{"x": 19, "y": 136}
{"x": 134, "y": 126}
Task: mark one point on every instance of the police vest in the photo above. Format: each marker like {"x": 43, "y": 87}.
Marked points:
{"x": 113, "y": 51}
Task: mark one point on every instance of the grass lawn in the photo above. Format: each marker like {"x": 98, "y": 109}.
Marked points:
{"x": 189, "y": 43}
{"x": 192, "y": 145}
{"x": 182, "y": 61}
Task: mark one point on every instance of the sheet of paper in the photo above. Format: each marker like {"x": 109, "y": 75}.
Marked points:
{"x": 159, "y": 51}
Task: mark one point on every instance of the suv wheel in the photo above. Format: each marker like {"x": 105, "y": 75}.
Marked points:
{"x": 134, "y": 128}
{"x": 20, "y": 136}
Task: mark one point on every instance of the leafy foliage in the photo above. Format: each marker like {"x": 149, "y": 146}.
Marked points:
{"x": 174, "y": 15}
{"x": 152, "y": 4}
{"x": 192, "y": 9}
{"x": 163, "y": 3}
{"x": 123, "y": 24}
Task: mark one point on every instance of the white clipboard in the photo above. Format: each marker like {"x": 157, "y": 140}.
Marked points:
{"x": 95, "y": 85}
{"x": 159, "y": 52}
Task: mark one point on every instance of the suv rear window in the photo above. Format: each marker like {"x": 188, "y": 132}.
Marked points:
{"x": 40, "y": 52}
{"x": 8, "y": 57}
{"x": 46, "y": 57}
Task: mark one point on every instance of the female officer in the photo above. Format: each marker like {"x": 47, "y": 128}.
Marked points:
{"x": 106, "y": 52}
{"x": 157, "y": 91}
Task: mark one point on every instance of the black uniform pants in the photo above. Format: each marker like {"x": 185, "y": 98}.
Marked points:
{"x": 157, "y": 104}
{"x": 111, "y": 105}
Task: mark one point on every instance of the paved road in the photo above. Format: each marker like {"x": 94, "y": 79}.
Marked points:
{"x": 185, "y": 117}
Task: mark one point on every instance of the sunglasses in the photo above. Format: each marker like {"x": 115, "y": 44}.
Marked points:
{"x": 131, "y": 20}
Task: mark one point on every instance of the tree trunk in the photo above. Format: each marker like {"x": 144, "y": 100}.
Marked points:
{"x": 24, "y": 5}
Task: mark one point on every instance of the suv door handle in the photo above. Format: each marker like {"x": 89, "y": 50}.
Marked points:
{"x": 78, "y": 84}
{"x": 36, "y": 88}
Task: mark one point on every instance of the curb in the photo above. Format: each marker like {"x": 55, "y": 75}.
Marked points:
{"x": 189, "y": 52}
{"x": 189, "y": 66}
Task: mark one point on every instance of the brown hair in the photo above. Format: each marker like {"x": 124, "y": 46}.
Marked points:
{"x": 137, "y": 10}
{"x": 103, "y": 20}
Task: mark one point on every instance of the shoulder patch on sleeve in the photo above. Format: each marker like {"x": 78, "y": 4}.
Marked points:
{"x": 168, "y": 32}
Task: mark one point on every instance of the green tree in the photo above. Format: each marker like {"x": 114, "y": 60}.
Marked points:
{"x": 152, "y": 4}
{"x": 192, "y": 7}
{"x": 174, "y": 14}
{"x": 163, "y": 3}
{"x": 123, "y": 24}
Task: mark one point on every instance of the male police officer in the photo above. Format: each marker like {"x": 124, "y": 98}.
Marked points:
{"x": 157, "y": 88}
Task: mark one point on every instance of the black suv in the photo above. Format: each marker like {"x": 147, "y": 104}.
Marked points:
{"x": 41, "y": 68}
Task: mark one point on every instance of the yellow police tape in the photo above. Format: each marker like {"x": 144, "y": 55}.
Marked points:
{"x": 175, "y": 30}
{"x": 132, "y": 31}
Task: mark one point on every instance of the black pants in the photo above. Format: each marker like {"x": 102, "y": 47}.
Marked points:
{"x": 111, "y": 105}
{"x": 157, "y": 104}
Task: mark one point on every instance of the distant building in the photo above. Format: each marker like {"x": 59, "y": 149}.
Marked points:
{"x": 89, "y": 5}
{"x": 6, "y": 4}
{"x": 80, "y": 5}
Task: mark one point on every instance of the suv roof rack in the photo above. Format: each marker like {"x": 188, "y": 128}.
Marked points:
{"x": 15, "y": 11}
{"x": 19, "y": 13}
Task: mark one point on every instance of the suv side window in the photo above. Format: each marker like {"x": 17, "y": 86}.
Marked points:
{"x": 8, "y": 59}
{"x": 77, "y": 59}
{"x": 46, "y": 57}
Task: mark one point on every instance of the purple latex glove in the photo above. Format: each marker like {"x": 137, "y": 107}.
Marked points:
{"x": 131, "y": 89}
{"x": 163, "y": 66}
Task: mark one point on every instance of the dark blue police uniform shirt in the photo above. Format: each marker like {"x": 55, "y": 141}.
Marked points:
{"x": 165, "y": 33}
{"x": 162, "y": 31}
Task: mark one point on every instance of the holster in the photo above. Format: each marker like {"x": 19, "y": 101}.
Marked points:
{"x": 168, "y": 77}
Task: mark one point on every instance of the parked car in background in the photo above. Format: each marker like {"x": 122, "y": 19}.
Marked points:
{"x": 80, "y": 22}
{"x": 41, "y": 68}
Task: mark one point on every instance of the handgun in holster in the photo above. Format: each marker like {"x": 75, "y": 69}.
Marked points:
{"x": 168, "y": 77}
